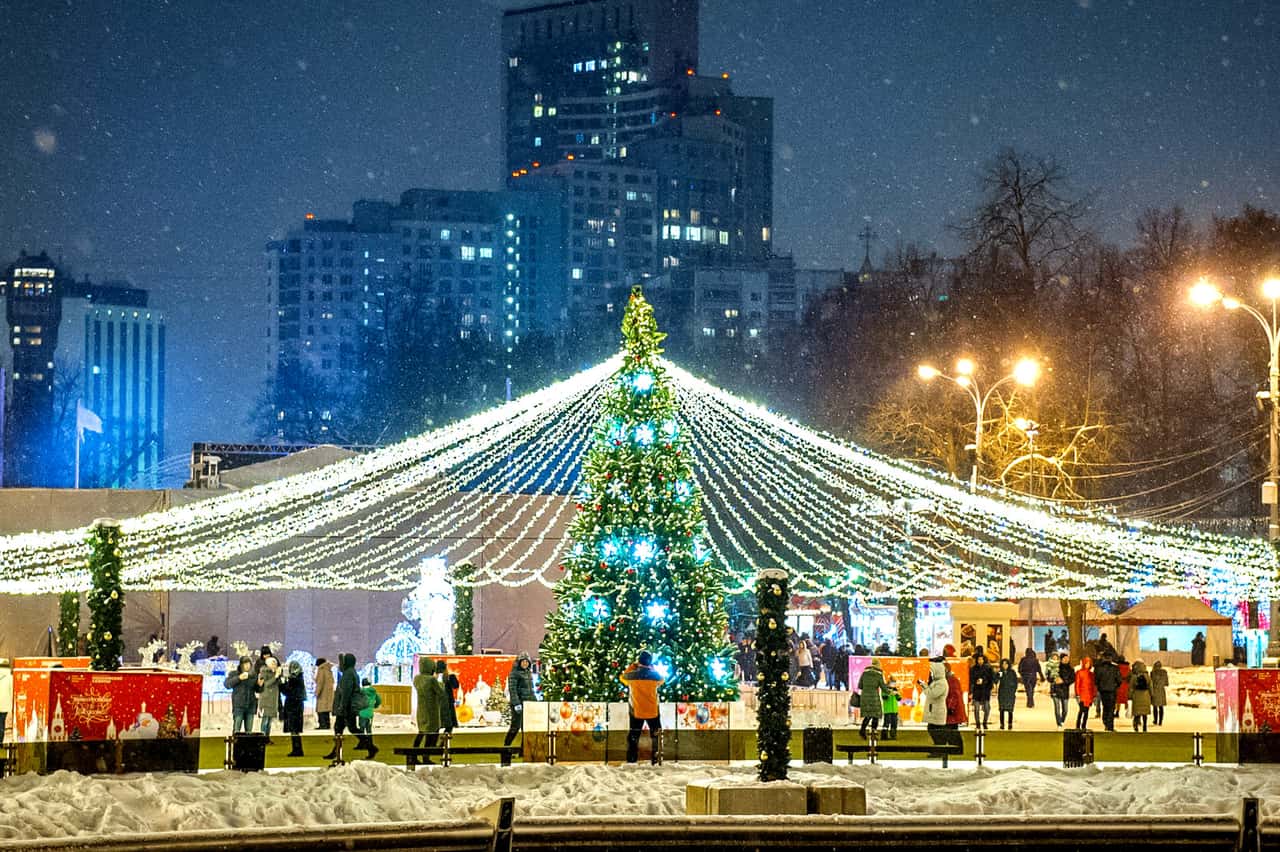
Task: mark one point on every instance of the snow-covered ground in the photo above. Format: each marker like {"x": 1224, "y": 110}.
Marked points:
{"x": 65, "y": 804}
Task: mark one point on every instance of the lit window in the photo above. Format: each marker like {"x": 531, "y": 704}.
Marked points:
{"x": 708, "y": 332}
{"x": 467, "y": 320}
{"x": 468, "y": 252}
{"x": 577, "y": 276}
{"x": 591, "y": 65}
{"x": 631, "y": 195}
{"x": 537, "y": 110}
{"x": 724, "y": 238}
{"x": 692, "y": 233}
{"x": 513, "y": 61}
{"x": 486, "y": 252}
{"x": 764, "y": 233}
{"x": 753, "y": 332}
{"x": 577, "y": 67}
{"x": 695, "y": 217}
{"x": 537, "y": 141}
{"x": 444, "y": 233}
{"x": 730, "y": 313}
{"x": 551, "y": 110}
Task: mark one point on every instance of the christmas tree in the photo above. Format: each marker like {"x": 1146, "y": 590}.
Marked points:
{"x": 68, "y": 623}
{"x": 498, "y": 701}
{"x": 106, "y": 597}
{"x": 773, "y": 691}
{"x": 639, "y": 574}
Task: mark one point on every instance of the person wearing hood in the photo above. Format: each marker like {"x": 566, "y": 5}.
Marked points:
{"x": 430, "y": 695}
{"x": 244, "y": 695}
{"x": 348, "y": 701}
{"x": 269, "y": 694}
{"x": 6, "y": 693}
{"x": 1139, "y": 694}
{"x": 1159, "y": 692}
{"x": 449, "y": 682}
{"x": 872, "y": 691}
{"x": 372, "y": 701}
{"x": 263, "y": 655}
{"x": 1107, "y": 679}
{"x": 935, "y": 701}
{"x": 293, "y": 689}
{"x": 891, "y": 698}
{"x": 642, "y": 681}
{"x": 519, "y": 690}
{"x": 981, "y": 680}
{"x": 1086, "y": 692}
{"x": 324, "y": 694}
{"x": 1006, "y": 692}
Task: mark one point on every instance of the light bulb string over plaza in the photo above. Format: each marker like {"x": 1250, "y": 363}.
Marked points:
{"x": 1205, "y": 294}
{"x": 1025, "y": 373}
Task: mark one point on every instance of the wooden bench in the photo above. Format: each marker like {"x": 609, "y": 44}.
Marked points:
{"x": 446, "y": 752}
{"x": 873, "y": 749}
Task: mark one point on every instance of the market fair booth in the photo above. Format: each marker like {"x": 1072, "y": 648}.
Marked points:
{"x": 1040, "y": 624}
{"x": 133, "y": 720}
{"x": 1164, "y": 629}
{"x": 982, "y": 626}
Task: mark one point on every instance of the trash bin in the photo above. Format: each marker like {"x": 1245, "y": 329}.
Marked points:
{"x": 819, "y": 745}
{"x": 248, "y": 752}
{"x": 1077, "y": 747}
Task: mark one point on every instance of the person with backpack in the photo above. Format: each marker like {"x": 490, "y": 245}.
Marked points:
{"x": 1139, "y": 694}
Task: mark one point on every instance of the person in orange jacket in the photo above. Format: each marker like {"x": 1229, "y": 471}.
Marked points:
{"x": 642, "y": 680}
{"x": 1086, "y": 692}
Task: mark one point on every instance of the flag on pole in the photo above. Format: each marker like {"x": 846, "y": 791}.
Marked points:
{"x": 86, "y": 419}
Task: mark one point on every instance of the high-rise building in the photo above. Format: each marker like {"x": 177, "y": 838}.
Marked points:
{"x": 73, "y": 342}
{"x": 611, "y": 88}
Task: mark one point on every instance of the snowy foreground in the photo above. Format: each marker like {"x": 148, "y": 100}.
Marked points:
{"x": 62, "y": 804}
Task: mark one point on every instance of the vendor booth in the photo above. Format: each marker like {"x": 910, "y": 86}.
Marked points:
{"x": 1040, "y": 624}
{"x": 982, "y": 626}
{"x": 1164, "y": 629}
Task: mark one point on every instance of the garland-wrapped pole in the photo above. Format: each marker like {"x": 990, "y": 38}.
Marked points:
{"x": 906, "y": 627}
{"x": 68, "y": 623}
{"x": 106, "y": 596}
{"x": 773, "y": 690}
{"x": 463, "y": 608}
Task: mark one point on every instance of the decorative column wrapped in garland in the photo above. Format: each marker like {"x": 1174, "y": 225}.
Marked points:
{"x": 906, "y": 627}
{"x": 773, "y": 690}
{"x": 68, "y": 623}
{"x": 106, "y": 596}
{"x": 463, "y": 608}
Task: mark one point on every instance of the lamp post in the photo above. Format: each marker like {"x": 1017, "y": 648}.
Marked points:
{"x": 1206, "y": 295}
{"x": 1025, "y": 373}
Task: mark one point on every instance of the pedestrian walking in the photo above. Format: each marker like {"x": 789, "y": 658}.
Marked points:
{"x": 1086, "y": 692}
{"x": 1159, "y": 692}
{"x": 804, "y": 664}
{"x": 935, "y": 702}
{"x": 1031, "y": 673}
{"x": 981, "y": 681}
{"x": 269, "y": 694}
{"x": 871, "y": 688}
{"x": 1122, "y": 694}
{"x": 519, "y": 690}
{"x": 1106, "y": 677}
{"x": 1060, "y": 688}
{"x": 372, "y": 701}
{"x": 324, "y": 694}
{"x": 890, "y": 706}
{"x": 1007, "y": 693}
{"x": 348, "y": 701}
{"x": 642, "y": 682}
{"x": 244, "y": 696}
{"x": 430, "y": 693}
{"x": 293, "y": 689}
{"x": 449, "y": 683}
{"x": 956, "y": 715}
{"x": 1140, "y": 694}
{"x": 827, "y": 652}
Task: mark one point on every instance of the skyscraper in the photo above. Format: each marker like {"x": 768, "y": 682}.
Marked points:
{"x": 31, "y": 287}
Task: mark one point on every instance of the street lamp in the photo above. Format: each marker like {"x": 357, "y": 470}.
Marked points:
{"x": 1025, "y": 373}
{"x": 1205, "y": 294}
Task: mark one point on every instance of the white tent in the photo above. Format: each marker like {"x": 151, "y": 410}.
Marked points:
{"x": 1175, "y": 621}
{"x": 1046, "y": 612}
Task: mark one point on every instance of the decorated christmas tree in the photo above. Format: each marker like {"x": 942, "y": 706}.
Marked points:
{"x": 498, "y": 701}
{"x": 106, "y": 596}
{"x": 68, "y": 623}
{"x": 639, "y": 574}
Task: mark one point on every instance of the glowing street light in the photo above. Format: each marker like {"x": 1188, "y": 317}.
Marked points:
{"x": 1205, "y": 294}
{"x": 1026, "y": 373}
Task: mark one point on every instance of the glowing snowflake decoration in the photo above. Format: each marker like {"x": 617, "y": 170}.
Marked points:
{"x": 644, "y": 434}
{"x": 642, "y": 381}
{"x": 657, "y": 611}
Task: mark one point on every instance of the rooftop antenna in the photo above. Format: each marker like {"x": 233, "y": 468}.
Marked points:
{"x": 866, "y": 235}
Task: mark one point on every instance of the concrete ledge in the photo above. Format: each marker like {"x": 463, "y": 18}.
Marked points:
{"x": 837, "y": 796}
{"x": 730, "y": 797}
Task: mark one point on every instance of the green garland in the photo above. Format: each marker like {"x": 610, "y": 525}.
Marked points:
{"x": 68, "y": 623}
{"x": 106, "y": 596}
{"x": 773, "y": 660}
{"x": 464, "y": 612}
{"x": 907, "y": 627}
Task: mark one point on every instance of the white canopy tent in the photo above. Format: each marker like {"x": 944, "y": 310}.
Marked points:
{"x": 1175, "y": 621}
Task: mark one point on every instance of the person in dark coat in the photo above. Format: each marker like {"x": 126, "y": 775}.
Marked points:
{"x": 430, "y": 704}
{"x": 244, "y": 695}
{"x": 1060, "y": 689}
{"x": 1198, "y": 645}
{"x": 827, "y": 651}
{"x": 1050, "y": 645}
{"x": 293, "y": 689}
{"x": 449, "y": 683}
{"x": 1159, "y": 692}
{"x": 1007, "y": 692}
{"x": 1106, "y": 676}
{"x": 212, "y": 648}
{"x": 1031, "y": 673}
{"x": 519, "y": 690}
{"x": 981, "y": 679}
{"x": 872, "y": 689}
{"x": 348, "y": 701}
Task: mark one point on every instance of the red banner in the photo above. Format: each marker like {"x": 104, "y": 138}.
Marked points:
{"x": 55, "y": 705}
{"x": 472, "y": 668}
{"x": 905, "y": 671}
{"x": 1248, "y": 700}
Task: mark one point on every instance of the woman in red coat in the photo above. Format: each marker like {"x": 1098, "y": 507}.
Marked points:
{"x": 1122, "y": 695}
{"x": 1086, "y": 692}
{"x": 956, "y": 714}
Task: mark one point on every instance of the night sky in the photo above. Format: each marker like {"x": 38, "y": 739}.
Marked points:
{"x": 165, "y": 143}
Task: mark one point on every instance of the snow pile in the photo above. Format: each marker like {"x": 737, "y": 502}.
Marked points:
{"x": 64, "y": 804}
{"x": 1193, "y": 686}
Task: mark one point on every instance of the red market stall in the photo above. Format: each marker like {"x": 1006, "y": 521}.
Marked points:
{"x": 129, "y": 720}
